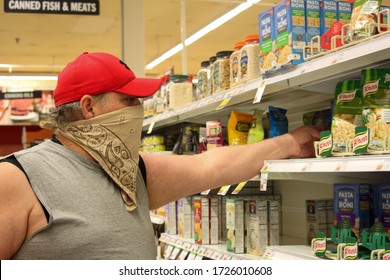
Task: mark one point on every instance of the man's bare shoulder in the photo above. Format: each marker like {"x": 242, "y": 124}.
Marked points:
{"x": 16, "y": 202}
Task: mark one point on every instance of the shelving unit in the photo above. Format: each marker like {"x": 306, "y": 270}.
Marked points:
{"x": 302, "y": 88}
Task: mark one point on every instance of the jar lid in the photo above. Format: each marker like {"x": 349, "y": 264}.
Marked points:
{"x": 212, "y": 59}
{"x": 222, "y": 54}
{"x": 205, "y": 63}
{"x": 238, "y": 45}
{"x": 251, "y": 37}
{"x": 178, "y": 78}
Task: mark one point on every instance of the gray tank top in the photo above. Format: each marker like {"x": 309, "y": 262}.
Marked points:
{"x": 87, "y": 216}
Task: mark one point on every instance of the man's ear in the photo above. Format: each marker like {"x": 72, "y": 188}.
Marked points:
{"x": 86, "y": 104}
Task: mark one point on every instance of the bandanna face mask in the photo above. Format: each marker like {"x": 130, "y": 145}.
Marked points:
{"x": 113, "y": 140}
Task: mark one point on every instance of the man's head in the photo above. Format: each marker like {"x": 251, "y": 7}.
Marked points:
{"x": 96, "y": 73}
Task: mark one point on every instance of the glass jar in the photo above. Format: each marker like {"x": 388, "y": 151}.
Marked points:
{"x": 180, "y": 91}
{"x": 235, "y": 64}
{"x": 203, "y": 87}
{"x": 221, "y": 71}
{"x": 211, "y": 68}
{"x": 249, "y": 58}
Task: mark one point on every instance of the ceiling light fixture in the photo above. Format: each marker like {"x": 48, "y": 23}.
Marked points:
{"x": 29, "y": 78}
{"x": 202, "y": 32}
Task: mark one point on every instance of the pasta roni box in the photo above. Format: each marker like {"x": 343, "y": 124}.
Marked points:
{"x": 381, "y": 199}
{"x": 352, "y": 201}
{"x": 290, "y": 32}
{"x": 328, "y": 14}
{"x": 344, "y": 11}
{"x": 313, "y": 26}
{"x": 267, "y": 42}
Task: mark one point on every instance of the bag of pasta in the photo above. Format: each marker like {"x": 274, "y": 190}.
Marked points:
{"x": 238, "y": 127}
{"x": 347, "y": 114}
{"x": 376, "y": 106}
{"x": 364, "y": 17}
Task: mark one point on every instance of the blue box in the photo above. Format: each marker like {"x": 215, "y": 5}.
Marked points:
{"x": 267, "y": 41}
{"x": 352, "y": 201}
{"x": 313, "y": 20}
{"x": 290, "y": 32}
{"x": 381, "y": 205}
{"x": 344, "y": 11}
{"x": 328, "y": 15}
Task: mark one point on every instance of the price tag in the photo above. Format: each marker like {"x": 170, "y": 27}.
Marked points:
{"x": 216, "y": 256}
{"x": 205, "y": 192}
{"x": 264, "y": 178}
{"x": 174, "y": 253}
{"x": 337, "y": 59}
{"x": 223, "y": 190}
{"x": 341, "y": 166}
{"x": 150, "y": 129}
{"x": 223, "y": 103}
{"x": 239, "y": 187}
{"x": 198, "y": 257}
{"x": 260, "y": 91}
{"x": 194, "y": 248}
{"x": 226, "y": 257}
{"x": 183, "y": 255}
{"x": 168, "y": 251}
{"x": 191, "y": 256}
{"x": 383, "y": 165}
{"x": 207, "y": 253}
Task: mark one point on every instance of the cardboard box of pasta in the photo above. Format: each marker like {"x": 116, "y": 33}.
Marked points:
{"x": 185, "y": 220}
{"x": 317, "y": 220}
{"x": 381, "y": 205}
{"x": 257, "y": 228}
{"x": 267, "y": 42}
{"x": 313, "y": 23}
{"x": 235, "y": 225}
{"x": 290, "y": 32}
{"x": 352, "y": 202}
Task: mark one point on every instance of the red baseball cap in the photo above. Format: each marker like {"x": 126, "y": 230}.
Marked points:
{"x": 98, "y": 72}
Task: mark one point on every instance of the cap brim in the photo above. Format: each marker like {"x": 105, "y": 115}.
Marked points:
{"x": 140, "y": 87}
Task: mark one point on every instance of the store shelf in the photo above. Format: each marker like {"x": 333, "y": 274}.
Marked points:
{"x": 215, "y": 252}
{"x": 311, "y": 83}
{"x": 371, "y": 168}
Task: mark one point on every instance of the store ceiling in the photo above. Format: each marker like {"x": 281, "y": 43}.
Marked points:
{"x": 44, "y": 43}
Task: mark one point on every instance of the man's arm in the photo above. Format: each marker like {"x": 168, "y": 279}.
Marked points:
{"x": 173, "y": 177}
{"x": 16, "y": 203}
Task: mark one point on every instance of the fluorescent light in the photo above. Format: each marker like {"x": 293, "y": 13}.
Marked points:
{"x": 29, "y": 78}
{"x": 202, "y": 32}
{"x": 165, "y": 56}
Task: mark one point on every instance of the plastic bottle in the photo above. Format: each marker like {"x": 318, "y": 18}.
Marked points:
{"x": 249, "y": 58}
{"x": 256, "y": 131}
{"x": 211, "y": 67}
{"x": 221, "y": 71}
{"x": 235, "y": 73}
{"x": 203, "y": 87}
{"x": 179, "y": 91}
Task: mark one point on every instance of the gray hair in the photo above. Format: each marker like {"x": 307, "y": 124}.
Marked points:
{"x": 70, "y": 112}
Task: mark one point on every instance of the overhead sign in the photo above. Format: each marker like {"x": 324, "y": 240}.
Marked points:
{"x": 80, "y": 7}
{"x": 21, "y": 95}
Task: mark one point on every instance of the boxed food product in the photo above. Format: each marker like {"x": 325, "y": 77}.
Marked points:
{"x": 171, "y": 217}
{"x": 257, "y": 228}
{"x": 290, "y": 33}
{"x": 328, "y": 14}
{"x": 317, "y": 217}
{"x": 235, "y": 225}
{"x": 352, "y": 201}
{"x": 381, "y": 205}
{"x": 214, "y": 220}
{"x": 197, "y": 207}
{"x": 185, "y": 220}
{"x": 274, "y": 211}
{"x": 267, "y": 42}
{"x": 344, "y": 10}
{"x": 313, "y": 22}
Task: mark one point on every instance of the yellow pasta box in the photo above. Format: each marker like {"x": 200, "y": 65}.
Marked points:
{"x": 267, "y": 42}
{"x": 290, "y": 33}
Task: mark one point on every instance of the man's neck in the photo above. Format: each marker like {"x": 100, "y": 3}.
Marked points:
{"x": 73, "y": 146}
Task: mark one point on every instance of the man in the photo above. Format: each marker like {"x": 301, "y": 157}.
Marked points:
{"x": 86, "y": 193}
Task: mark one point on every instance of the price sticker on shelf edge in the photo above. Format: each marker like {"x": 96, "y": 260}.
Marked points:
{"x": 223, "y": 190}
{"x": 260, "y": 91}
{"x": 224, "y": 103}
{"x": 150, "y": 129}
{"x": 239, "y": 187}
